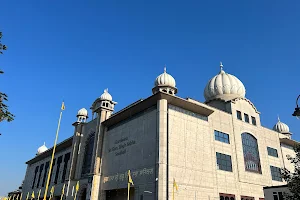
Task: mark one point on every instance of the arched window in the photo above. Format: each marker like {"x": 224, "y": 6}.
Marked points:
{"x": 88, "y": 154}
{"x": 251, "y": 153}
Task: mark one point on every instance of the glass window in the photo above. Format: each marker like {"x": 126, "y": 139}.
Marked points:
{"x": 41, "y": 169}
{"x": 224, "y": 162}
{"x": 45, "y": 173}
{"x": 227, "y": 196}
{"x": 251, "y": 153}
{"x": 51, "y": 174}
{"x": 276, "y": 173}
{"x": 59, "y": 160}
{"x": 35, "y": 173}
{"x": 239, "y": 115}
{"x": 247, "y": 198}
{"x": 272, "y": 152}
{"x": 253, "y": 120}
{"x": 246, "y": 116}
{"x": 66, "y": 160}
{"x": 87, "y": 162}
{"x": 222, "y": 137}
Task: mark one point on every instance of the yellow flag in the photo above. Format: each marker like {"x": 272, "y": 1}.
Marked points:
{"x": 52, "y": 190}
{"x": 32, "y": 195}
{"x": 27, "y": 196}
{"x": 39, "y": 194}
{"x": 63, "y": 106}
{"x": 21, "y": 196}
{"x": 175, "y": 184}
{"x": 129, "y": 178}
{"x": 77, "y": 186}
{"x": 63, "y": 189}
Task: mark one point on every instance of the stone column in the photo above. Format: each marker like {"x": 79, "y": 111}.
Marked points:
{"x": 162, "y": 167}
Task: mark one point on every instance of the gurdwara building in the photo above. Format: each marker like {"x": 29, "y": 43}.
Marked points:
{"x": 215, "y": 149}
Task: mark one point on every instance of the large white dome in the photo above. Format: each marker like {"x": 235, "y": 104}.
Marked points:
{"x": 224, "y": 86}
{"x": 42, "y": 149}
{"x": 82, "y": 112}
{"x": 165, "y": 79}
{"x": 281, "y": 127}
{"x": 106, "y": 96}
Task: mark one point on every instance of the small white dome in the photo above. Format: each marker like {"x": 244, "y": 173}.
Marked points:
{"x": 106, "y": 96}
{"x": 82, "y": 112}
{"x": 224, "y": 86}
{"x": 165, "y": 79}
{"x": 281, "y": 127}
{"x": 42, "y": 149}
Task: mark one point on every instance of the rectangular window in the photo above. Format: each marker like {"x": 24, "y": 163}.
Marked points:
{"x": 272, "y": 152}
{"x": 51, "y": 173}
{"x": 224, "y": 162}
{"x": 41, "y": 169}
{"x": 35, "y": 173}
{"x": 59, "y": 160}
{"x": 246, "y": 116}
{"x": 275, "y": 173}
{"x": 224, "y": 196}
{"x": 239, "y": 115}
{"x": 278, "y": 196}
{"x": 253, "y": 120}
{"x": 66, "y": 160}
{"x": 45, "y": 173}
{"x": 222, "y": 137}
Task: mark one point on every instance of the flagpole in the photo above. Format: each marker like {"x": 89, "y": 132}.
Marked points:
{"x": 53, "y": 152}
{"x": 128, "y": 185}
{"x": 173, "y": 191}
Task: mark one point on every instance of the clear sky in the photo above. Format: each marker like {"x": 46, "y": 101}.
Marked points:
{"x": 72, "y": 50}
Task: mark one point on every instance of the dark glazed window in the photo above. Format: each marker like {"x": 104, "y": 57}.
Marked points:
{"x": 247, "y": 198}
{"x": 253, "y": 120}
{"x": 45, "y": 173}
{"x": 246, "y": 116}
{"x": 53, "y": 164}
{"x": 251, "y": 153}
{"x": 227, "y": 196}
{"x": 66, "y": 160}
{"x": 39, "y": 179}
{"x": 276, "y": 173}
{"x": 224, "y": 162}
{"x": 222, "y": 137}
{"x": 59, "y": 160}
{"x": 239, "y": 115}
{"x": 272, "y": 152}
{"x": 87, "y": 161}
{"x": 35, "y": 173}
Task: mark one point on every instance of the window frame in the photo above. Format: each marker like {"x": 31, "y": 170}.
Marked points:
{"x": 253, "y": 120}
{"x": 276, "y": 173}
{"x": 250, "y": 146}
{"x": 222, "y": 162}
{"x": 272, "y": 152}
{"x": 239, "y": 114}
{"x": 246, "y": 118}
{"x": 88, "y": 154}
{"x": 221, "y": 137}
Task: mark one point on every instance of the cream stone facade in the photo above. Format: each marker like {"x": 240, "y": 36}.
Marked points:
{"x": 212, "y": 150}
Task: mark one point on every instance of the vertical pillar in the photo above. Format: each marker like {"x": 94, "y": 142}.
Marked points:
{"x": 162, "y": 166}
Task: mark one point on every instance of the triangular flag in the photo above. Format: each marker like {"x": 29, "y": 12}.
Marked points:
{"x": 32, "y": 195}
{"x": 63, "y": 106}
{"x": 77, "y": 186}
{"x": 63, "y": 189}
{"x": 39, "y": 194}
{"x": 27, "y": 196}
{"x": 175, "y": 184}
{"x": 129, "y": 178}
{"x": 52, "y": 190}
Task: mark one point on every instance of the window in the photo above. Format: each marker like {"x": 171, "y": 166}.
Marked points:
{"x": 239, "y": 115}
{"x": 253, "y": 120}
{"x": 247, "y": 198}
{"x": 35, "y": 173}
{"x": 66, "y": 160}
{"x": 41, "y": 169}
{"x": 45, "y": 173}
{"x": 251, "y": 153}
{"x": 227, "y": 196}
{"x": 276, "y": 173}
{"x": 278, "y": 196}
{"x": 246, "y": 116}
{"x": 224, "y": 162}
{"x": 53, "y": 164}
{"x": 59, "y": 160}
{"x": 272, "y": 152}
{"x": 222, "y": 137}
{"x": 87, "y": 161}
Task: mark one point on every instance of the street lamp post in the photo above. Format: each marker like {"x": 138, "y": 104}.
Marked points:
{"x": 297, "y": 109}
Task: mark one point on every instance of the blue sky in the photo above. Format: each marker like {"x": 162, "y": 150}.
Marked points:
{"x": 72, "y": 50}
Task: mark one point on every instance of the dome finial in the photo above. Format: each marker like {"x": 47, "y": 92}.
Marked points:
{"x": 44, "y": 143}
{"x": 165, "y": 68}
{"x": 278, "y": 118}
{"x": 221, "y": 66}
{"x": 106, "y": 90}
